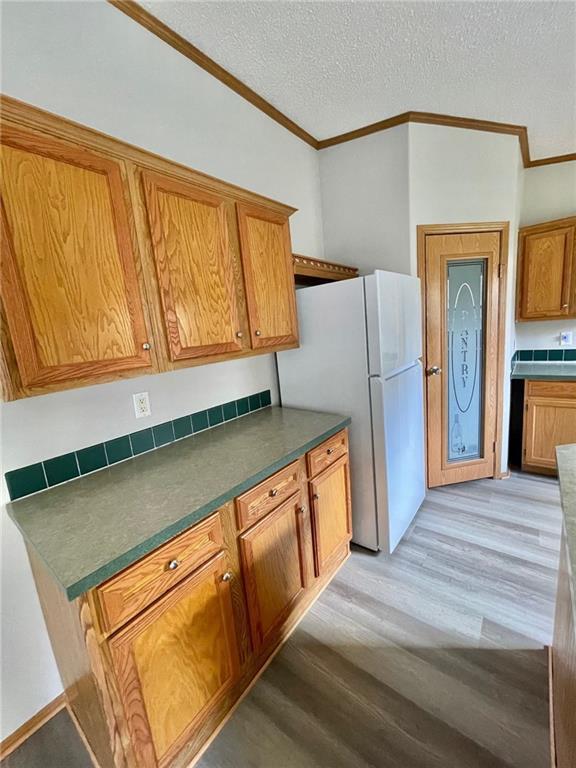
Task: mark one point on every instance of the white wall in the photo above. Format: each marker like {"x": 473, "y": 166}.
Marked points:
{"x": 89, "y": 62}
{"x": 549, "y": 193}
{"x": 365, "y": 201}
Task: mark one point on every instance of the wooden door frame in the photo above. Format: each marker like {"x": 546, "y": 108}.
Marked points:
{"x": 503, "y": 229}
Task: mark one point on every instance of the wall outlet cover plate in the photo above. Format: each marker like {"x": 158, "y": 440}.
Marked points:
{"x": 141, "y": 405}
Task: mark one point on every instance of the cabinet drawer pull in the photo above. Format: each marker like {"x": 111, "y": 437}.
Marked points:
{"x": 273, "y": 492}
{"x": 257, "y": 333}
{"x": 330, "y": 451}
{"x": 173, "y": 564}
{"x": 227, "y": 576}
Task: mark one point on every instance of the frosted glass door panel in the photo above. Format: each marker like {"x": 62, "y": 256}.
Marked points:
{"x": 465, "y": 308}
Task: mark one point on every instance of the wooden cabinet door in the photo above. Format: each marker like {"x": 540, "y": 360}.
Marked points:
{"x": 546, "y": 274}
{"x": 197, "y": 273}
{"x": 274, "y": 568}
{"x": 331, "y": 515}
{"x": 548, "y": 422}
{"x": 69, "y": 279}
{"x": 175, "y": 662}
{"x": 268, "y": 276}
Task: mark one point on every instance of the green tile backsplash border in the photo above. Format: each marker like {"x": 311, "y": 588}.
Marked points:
{"x": 544, "y": 356}
{"x": 59, "y": 469}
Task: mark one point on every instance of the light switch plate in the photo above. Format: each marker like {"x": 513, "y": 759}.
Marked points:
{"x": 565, "y": 338}
{"x": 141, "y": 405}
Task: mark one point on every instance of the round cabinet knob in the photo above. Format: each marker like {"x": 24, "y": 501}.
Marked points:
{"x": 227, "y": 576}
{"x": 564, "y": 306}
{"x": 315, "y": 496}
{"x": 273, "y": 492}
{"x": 330, "y": 451}
{"x": 257, "y": 333}
{"x": 301, "y": 510}
{"x": 173, "y": 564}
{"x": 239, "y": 334}
{"x": 146, "y": 345}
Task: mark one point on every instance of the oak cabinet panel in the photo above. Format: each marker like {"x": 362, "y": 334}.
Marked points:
{"x": 69, "y": 277}
{"x": 274, "y": 568}
{"x": 331, "y": 514}
{"x": 546, "y": 271}
{"x": 549, "y": 420}
{"x": 175, "y": 662}
{"x": 268, "y": 276}
{"x": 196, "y": 270}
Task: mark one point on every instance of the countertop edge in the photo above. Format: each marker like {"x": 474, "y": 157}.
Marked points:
{"x": 100, "y": 575}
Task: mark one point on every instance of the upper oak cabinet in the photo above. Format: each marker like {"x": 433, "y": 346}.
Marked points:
{"x": 197, "y": 271}
{"x": 268, "y": 276}
{"x": 69, "y": 278}
{"x": 117, "y": 262}
{"x": 546, "y": 271}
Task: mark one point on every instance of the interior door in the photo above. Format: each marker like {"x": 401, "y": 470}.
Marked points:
{"x": 197, "y": 272}
{"x": 462, "y": 292}
{"x": 69, "y": 267}
{"x": 175, "y": 661}
{"x": 268, "y": 276}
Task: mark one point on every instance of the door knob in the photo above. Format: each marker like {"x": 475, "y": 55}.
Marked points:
{"x": 434, "y": 370}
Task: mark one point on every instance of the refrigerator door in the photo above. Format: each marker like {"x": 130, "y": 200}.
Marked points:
{"x": 394, "y": 321}
{"x": 329, "y": 372}
{"x": 398, "y": 445}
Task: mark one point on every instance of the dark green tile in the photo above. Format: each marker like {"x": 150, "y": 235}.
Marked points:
{"x": 540, "y": 354}
{"x": 254, "y": 402}
{"x": 555, "y": 354}
{"x": 215, "y": 415}
{"x": 199, "y": 421}
{"x": 25, "y": 480}
{"x": 182, "y": 427}
{"x": 142, "y": 441}
{"x": 570, "y": 354}
{"x": 61, "y": 468}
{"x": 92, "y": 458}
{"x": 163, "y": 434}
{"x": 229, "y": 410}
{"x": 525, "y": 355}
{"x": 265, "y": 398}
{"x": 242, "y": 406}
{"x": 118, "y": 449}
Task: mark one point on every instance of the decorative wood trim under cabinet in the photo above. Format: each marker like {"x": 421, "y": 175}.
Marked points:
{"x": 305, "y": 266}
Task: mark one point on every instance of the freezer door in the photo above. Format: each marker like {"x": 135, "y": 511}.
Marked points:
{"x": 398, "y": 447}
{"x": 393, "y": 320}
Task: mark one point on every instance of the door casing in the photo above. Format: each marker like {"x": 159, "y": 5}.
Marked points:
{"x": 503, "y": 229}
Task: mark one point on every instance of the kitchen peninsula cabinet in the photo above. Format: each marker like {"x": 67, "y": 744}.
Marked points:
{"x": 155, "y": 656}
{"x": 118, "y": 262}
{"x": 547, "y": 271}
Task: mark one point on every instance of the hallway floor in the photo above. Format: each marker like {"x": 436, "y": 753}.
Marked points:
{"x": 433, "y": 658}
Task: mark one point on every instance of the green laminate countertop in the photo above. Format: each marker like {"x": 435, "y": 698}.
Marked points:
{"x": 566, "y": 458}
{"x": 544, "y": 371}
{"x": 89, "y": 529}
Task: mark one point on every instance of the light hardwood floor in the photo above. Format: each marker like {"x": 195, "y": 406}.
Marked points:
{"x": 432, "y": 658}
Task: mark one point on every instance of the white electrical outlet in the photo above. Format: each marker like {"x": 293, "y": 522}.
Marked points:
{"x": 565, "y": 338}
{"x": 141, "y": 405}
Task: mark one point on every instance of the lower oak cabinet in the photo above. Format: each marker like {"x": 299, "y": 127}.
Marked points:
{"x": 155, "y": 659}
{"x": 549, "y": 420}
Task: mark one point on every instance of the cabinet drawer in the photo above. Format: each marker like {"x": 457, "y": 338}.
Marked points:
{"x": 563, "y": 389}
{"x": 126, "y": 594}
{"x": 266, "y": 496}
{"x": 327, "y": 453}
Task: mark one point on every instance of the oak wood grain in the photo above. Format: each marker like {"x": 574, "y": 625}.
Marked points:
{"x": 268, "y": 276}
{"x": 331, "y": 514}
{"x": 175, "y": 662}
{"x": 267, "y": 495}
{"x": 549, "y": 420}
{"x": 194, "y": 266}
{"x": 70, "y": 286}
{"x": 136, "y": 587}
{"x": 327, "y": 453}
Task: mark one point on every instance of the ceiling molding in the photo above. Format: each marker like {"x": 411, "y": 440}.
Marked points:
{"x": 161, "y": 30}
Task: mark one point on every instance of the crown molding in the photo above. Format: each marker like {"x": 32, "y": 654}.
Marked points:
{"x": 143, "y": 17}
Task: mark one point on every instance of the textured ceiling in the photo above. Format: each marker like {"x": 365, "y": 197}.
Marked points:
{"x": 336, "y": 66}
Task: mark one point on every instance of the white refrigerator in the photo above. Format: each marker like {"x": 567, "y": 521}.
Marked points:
{"x": 359, "y": 355}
